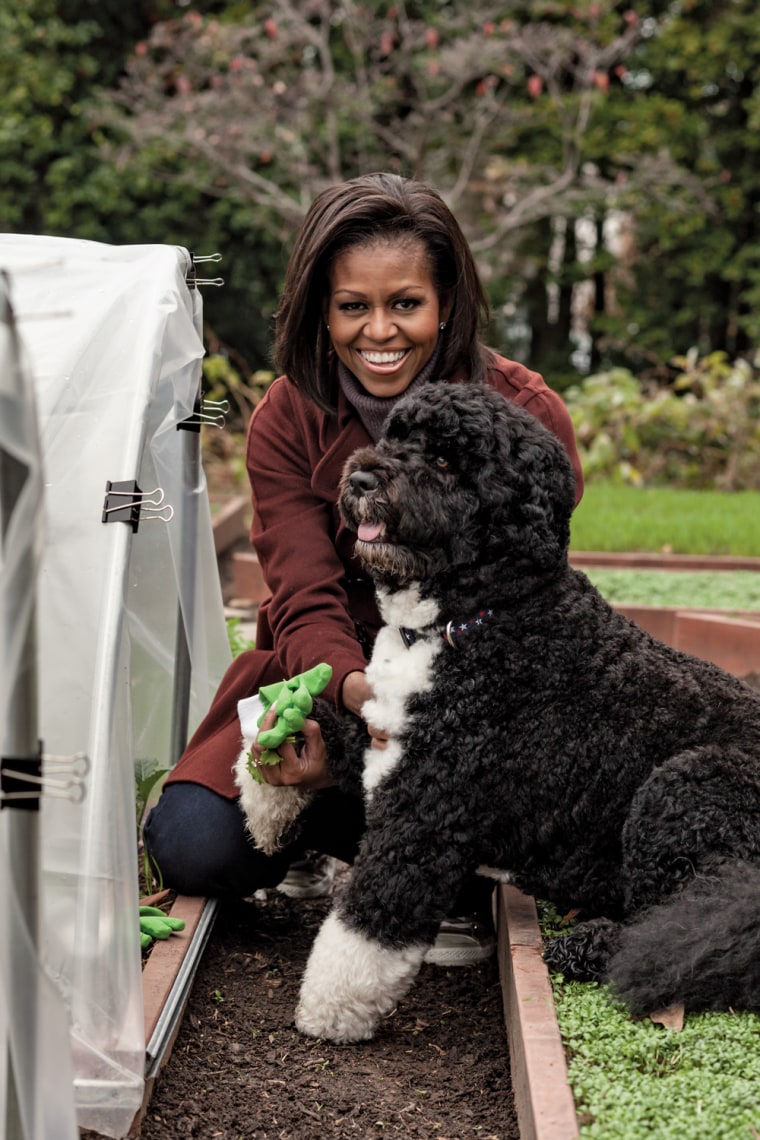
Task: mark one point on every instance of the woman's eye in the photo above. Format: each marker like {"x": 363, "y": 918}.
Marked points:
{"x": 406, "y": 304}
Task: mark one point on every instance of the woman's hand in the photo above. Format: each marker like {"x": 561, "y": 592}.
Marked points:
{"x": 304, "y": 764}
{"x": 355, "y": 691}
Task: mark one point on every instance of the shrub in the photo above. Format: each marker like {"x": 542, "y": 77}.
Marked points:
{"x": 702, "y": 431}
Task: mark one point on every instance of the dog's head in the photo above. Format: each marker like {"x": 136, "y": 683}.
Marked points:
{"x": 463, "y": 487}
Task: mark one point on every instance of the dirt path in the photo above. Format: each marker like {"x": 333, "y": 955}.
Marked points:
{"x": 439, "y": 1067}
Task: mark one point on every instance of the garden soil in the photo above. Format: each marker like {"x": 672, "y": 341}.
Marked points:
{"x": 437, "y": 1068}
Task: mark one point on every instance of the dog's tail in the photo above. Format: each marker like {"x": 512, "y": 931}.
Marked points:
{"x": 700, "y": 949}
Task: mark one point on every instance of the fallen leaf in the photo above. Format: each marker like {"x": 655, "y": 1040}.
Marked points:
{"x": 155, "y": 900}
{"x": 571, "y": 914}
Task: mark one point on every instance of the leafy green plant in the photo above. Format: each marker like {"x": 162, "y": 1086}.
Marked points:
{"x": 721, "y": 589}
{"x": 239, "y": 643}
{"x": 701, "y": 431}
{"x": 223, "y": 381}
{"x": 148, "y": 774}
{"x": 147, "y": 777}
{"x": 632, "y": 1078}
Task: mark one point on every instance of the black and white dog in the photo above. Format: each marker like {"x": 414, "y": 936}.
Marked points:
{"x": 535, "y": 734}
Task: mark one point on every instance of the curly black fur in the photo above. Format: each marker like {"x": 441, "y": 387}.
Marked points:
{"x": 345, "y": 738}
{"x": 560, "y": 742}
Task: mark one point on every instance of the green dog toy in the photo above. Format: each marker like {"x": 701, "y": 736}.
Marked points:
{"x": 292, "y": 700}
{"x": 155, "y": 924}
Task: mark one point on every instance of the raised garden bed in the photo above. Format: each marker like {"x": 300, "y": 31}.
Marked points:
{"x": 542, "y": 1094}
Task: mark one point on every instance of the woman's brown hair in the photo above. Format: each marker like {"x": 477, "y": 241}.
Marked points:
{"x": 374, "y": 206}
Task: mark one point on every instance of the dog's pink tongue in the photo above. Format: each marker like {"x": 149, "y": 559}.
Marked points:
{"x": 368, "y": 532}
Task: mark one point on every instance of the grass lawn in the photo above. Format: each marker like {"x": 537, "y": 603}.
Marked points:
{"x": 618, "y": 518}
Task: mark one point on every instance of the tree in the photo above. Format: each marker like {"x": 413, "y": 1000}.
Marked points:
{"x": 54, "y": 57}
{"x": 692, "y": 272}
{"x": 267, "y": 109}
{"x": 44, "y": 65}
{"x": 602, "y": 159}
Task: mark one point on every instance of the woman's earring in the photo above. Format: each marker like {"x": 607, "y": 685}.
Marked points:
{"x": 442, "y": 326}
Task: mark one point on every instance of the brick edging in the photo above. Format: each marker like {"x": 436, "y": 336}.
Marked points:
{"x": 230, "y": 523}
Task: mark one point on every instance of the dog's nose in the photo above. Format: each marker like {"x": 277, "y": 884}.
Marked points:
{"x": 361, "y": 482}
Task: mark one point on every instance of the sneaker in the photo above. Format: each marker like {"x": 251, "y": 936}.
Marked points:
{"x": 309, "y": 878}
{"x": 463, "y": 941}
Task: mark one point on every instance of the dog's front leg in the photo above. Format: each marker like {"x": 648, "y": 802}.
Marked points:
{"x": 369, "y": 950}
{"x": 352, "y": 981}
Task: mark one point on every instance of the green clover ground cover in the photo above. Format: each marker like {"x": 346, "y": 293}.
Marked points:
{"x": 700, "y": 589}
{"x": 632, "y": 1078}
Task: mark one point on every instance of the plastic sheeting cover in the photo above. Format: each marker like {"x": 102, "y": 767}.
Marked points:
{"x": 113, "y": 334}
{"x": 36, "y": 1080}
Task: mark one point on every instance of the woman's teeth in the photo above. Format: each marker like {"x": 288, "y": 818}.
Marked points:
{"x": 383, "y": 357}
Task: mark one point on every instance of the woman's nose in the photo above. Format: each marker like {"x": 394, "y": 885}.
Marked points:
{"x": 380, "y": 325}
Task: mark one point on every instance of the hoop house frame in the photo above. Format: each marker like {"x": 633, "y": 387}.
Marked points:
{"x": 130, "y": 631}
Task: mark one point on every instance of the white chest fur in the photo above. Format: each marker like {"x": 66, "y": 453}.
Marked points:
{"x": 396, "y": 673}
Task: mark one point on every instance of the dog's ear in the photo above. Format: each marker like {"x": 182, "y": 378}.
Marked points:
{"x": 532, "y": 488}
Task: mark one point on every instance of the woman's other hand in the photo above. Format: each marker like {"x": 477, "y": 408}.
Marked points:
{"x": 355, "y": 692}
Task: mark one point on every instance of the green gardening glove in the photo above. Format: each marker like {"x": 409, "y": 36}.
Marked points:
{"x": 155, "y": 924}
{"x": 292, "y": 701}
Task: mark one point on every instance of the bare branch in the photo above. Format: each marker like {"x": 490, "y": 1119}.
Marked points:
{"x": 279, "y": 108}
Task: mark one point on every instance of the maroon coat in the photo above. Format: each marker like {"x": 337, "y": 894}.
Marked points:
{"x": 321, "y": 607}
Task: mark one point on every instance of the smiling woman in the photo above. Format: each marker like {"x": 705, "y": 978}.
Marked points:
{"x": 381, "y": 295}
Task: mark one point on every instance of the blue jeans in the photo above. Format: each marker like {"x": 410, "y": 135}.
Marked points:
{"x": 196, "y": 840}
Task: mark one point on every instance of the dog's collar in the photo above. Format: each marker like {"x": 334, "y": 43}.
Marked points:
{"x": 453, "y": 633}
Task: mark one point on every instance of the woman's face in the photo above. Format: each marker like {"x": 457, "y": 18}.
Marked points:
{"x": 384, "y": 313}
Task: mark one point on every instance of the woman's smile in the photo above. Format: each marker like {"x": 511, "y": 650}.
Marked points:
{"x": 382, "y": 360}
{"x": 384, "y": 313}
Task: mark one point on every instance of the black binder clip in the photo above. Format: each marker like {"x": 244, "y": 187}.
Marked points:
{"x": 21, "y": 781}
{"x": 125, "y": 502}
{"x": 205, "y": 413}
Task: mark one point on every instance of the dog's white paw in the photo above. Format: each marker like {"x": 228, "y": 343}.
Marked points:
{"x": 351, "y": 982}
{"x": 269, "y": 811}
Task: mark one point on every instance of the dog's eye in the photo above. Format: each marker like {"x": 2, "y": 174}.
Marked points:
{"x": 442, "y": 463}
